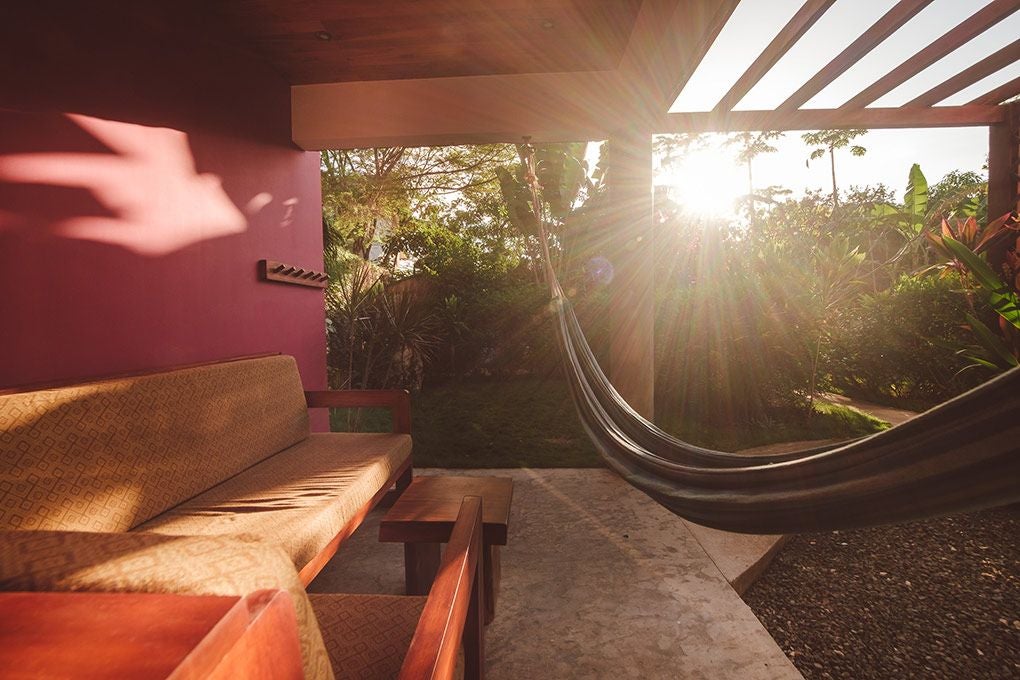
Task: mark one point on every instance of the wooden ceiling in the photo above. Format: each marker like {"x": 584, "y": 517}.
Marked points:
{"x": 321, "y": 41}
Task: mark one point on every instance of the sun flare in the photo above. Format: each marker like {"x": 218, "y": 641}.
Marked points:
{"x": 707, "y": 182}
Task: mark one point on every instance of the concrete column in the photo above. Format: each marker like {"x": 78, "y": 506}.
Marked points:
{"x": 632, "y": 308}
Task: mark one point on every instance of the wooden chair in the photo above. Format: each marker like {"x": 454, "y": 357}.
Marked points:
{"x": 414, "y": 638}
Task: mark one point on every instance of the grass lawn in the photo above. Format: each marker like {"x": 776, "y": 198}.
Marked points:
{"x": 492, "y": 424}
{"x": 531, "y": 422}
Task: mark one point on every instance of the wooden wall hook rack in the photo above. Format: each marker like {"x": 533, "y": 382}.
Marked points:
{"x": 271, "y": 270}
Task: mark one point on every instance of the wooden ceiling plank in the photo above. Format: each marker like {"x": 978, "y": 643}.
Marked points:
{"x": 795, "y": 28}
{"x": 986, "y": 67}
{"x": 397, "y": 39}
{"x": 965, "y": 31}
{"x": 820, "y": 119}
{"x": 999, "y": 94}
{"x": 889, "y": 23}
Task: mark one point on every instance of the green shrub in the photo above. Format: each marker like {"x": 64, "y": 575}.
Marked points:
{"x": 903, "y": 343}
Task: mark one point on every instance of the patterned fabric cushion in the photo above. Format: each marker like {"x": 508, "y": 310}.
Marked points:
{"x": 106, "y": 456}
{"x": 299, "y": 499}
{"x": 367, "y": 636}
{"x": 65, "y": 561}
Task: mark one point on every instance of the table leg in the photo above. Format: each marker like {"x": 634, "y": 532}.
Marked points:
{"x": 421, "y": 564}
{"x": 491, "y": 576}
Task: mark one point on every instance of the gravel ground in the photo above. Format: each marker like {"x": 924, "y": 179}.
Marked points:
{"x": 932, "y": 599}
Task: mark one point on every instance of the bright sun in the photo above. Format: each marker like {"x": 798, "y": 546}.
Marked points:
{"x": 706, "y": 182}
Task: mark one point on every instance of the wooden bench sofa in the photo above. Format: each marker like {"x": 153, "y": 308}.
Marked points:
{"x": 200, "y": 480}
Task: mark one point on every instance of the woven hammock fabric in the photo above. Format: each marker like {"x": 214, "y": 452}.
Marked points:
{"x": 645, "y": 433}
{"x": 961, "y": 456}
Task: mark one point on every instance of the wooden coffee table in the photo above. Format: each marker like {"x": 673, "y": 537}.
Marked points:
{"x": 423, "y": 517}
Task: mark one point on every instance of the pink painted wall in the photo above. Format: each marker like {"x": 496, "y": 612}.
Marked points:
{"x": 145, "y": 167}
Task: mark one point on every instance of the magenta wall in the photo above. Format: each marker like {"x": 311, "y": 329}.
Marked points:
{"x": 145, "y": 167}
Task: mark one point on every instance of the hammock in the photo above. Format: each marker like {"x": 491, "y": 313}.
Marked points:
{"x": 642, "y": 432}
{"x": 961, "y": 456}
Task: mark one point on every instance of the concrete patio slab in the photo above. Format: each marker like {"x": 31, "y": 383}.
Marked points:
{"x": 598, "y": 582}
{"x": 741, "y": 558}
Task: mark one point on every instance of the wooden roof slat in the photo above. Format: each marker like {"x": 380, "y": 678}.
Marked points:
{"x": 889, "y": 23}
{"x": 820, "y": 119}
{"x": 987, "y": 66}
{"x": 706, "y": 38}
{"x": 965, "y": 31}
{"x": 806, "y": 17}
{"x": 999, "y": 94}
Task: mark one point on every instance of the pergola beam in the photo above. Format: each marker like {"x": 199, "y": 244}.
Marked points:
{"x": 891, "y": 21}
{"x": 965, "y": 31}
{"x": 702, "y": 40}
{"x": 986, "y": 67}
{"x": 999, "y": 94}
{"x": 824, "y": 119}
{"x": 794, "y": 30}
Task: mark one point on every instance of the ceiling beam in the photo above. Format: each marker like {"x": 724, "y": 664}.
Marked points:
{"x": 891, "y": 21}
{"x": 794, "y": 30}
{"x": 825, "y": 119}
{"x": 968, "y": 29}
{"x": 1000, "y": 94}
{"x": 986, "y": 67}
{"x": 459, "y": 110}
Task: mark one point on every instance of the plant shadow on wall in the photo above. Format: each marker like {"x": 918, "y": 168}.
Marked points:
{"x": 112, "y": 182}
{"x": 112, "y": 232}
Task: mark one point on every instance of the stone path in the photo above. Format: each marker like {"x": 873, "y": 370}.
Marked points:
{"x": 598, "y": 582}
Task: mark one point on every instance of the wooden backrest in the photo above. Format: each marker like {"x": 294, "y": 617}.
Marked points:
{"x": 111, "y": 454}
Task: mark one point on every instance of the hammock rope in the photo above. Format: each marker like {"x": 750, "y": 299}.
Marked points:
{"x": 961, "y": 456}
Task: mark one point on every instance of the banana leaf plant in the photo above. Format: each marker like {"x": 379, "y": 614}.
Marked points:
{"x": 921, "y": 212}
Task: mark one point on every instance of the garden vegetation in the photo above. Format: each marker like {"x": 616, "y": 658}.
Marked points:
{"x": 436, "y": 286}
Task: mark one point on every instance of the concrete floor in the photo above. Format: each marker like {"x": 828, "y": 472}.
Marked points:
{"x": 598, "y": 582}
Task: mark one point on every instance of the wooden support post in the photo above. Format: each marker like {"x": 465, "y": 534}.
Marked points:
{"x": 1003, "y": 171}
{"x": 1003, "y": 163}
{"x": 632, "y": 310}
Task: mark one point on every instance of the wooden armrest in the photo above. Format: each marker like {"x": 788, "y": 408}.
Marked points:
{"x": 454, "y": 609}
{"x": 397, "y": 401}
{"x": 93, "y": 635}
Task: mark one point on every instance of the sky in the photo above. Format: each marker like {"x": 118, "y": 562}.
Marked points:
{"x": 711, "y": 179}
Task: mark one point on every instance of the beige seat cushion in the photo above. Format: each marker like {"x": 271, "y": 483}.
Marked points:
{"x": 367, "y": 636}
{"x": 147, "y": 563}
{"x": 299, "y": 499}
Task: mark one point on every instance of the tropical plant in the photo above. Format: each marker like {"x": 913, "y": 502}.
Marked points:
{"x": 750, "y": 145}
{"x": 909, "y": 219}
{"x": 996, "y": 351}
{"x": 827, "y": 142}
{"x": 377, "y": 337}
